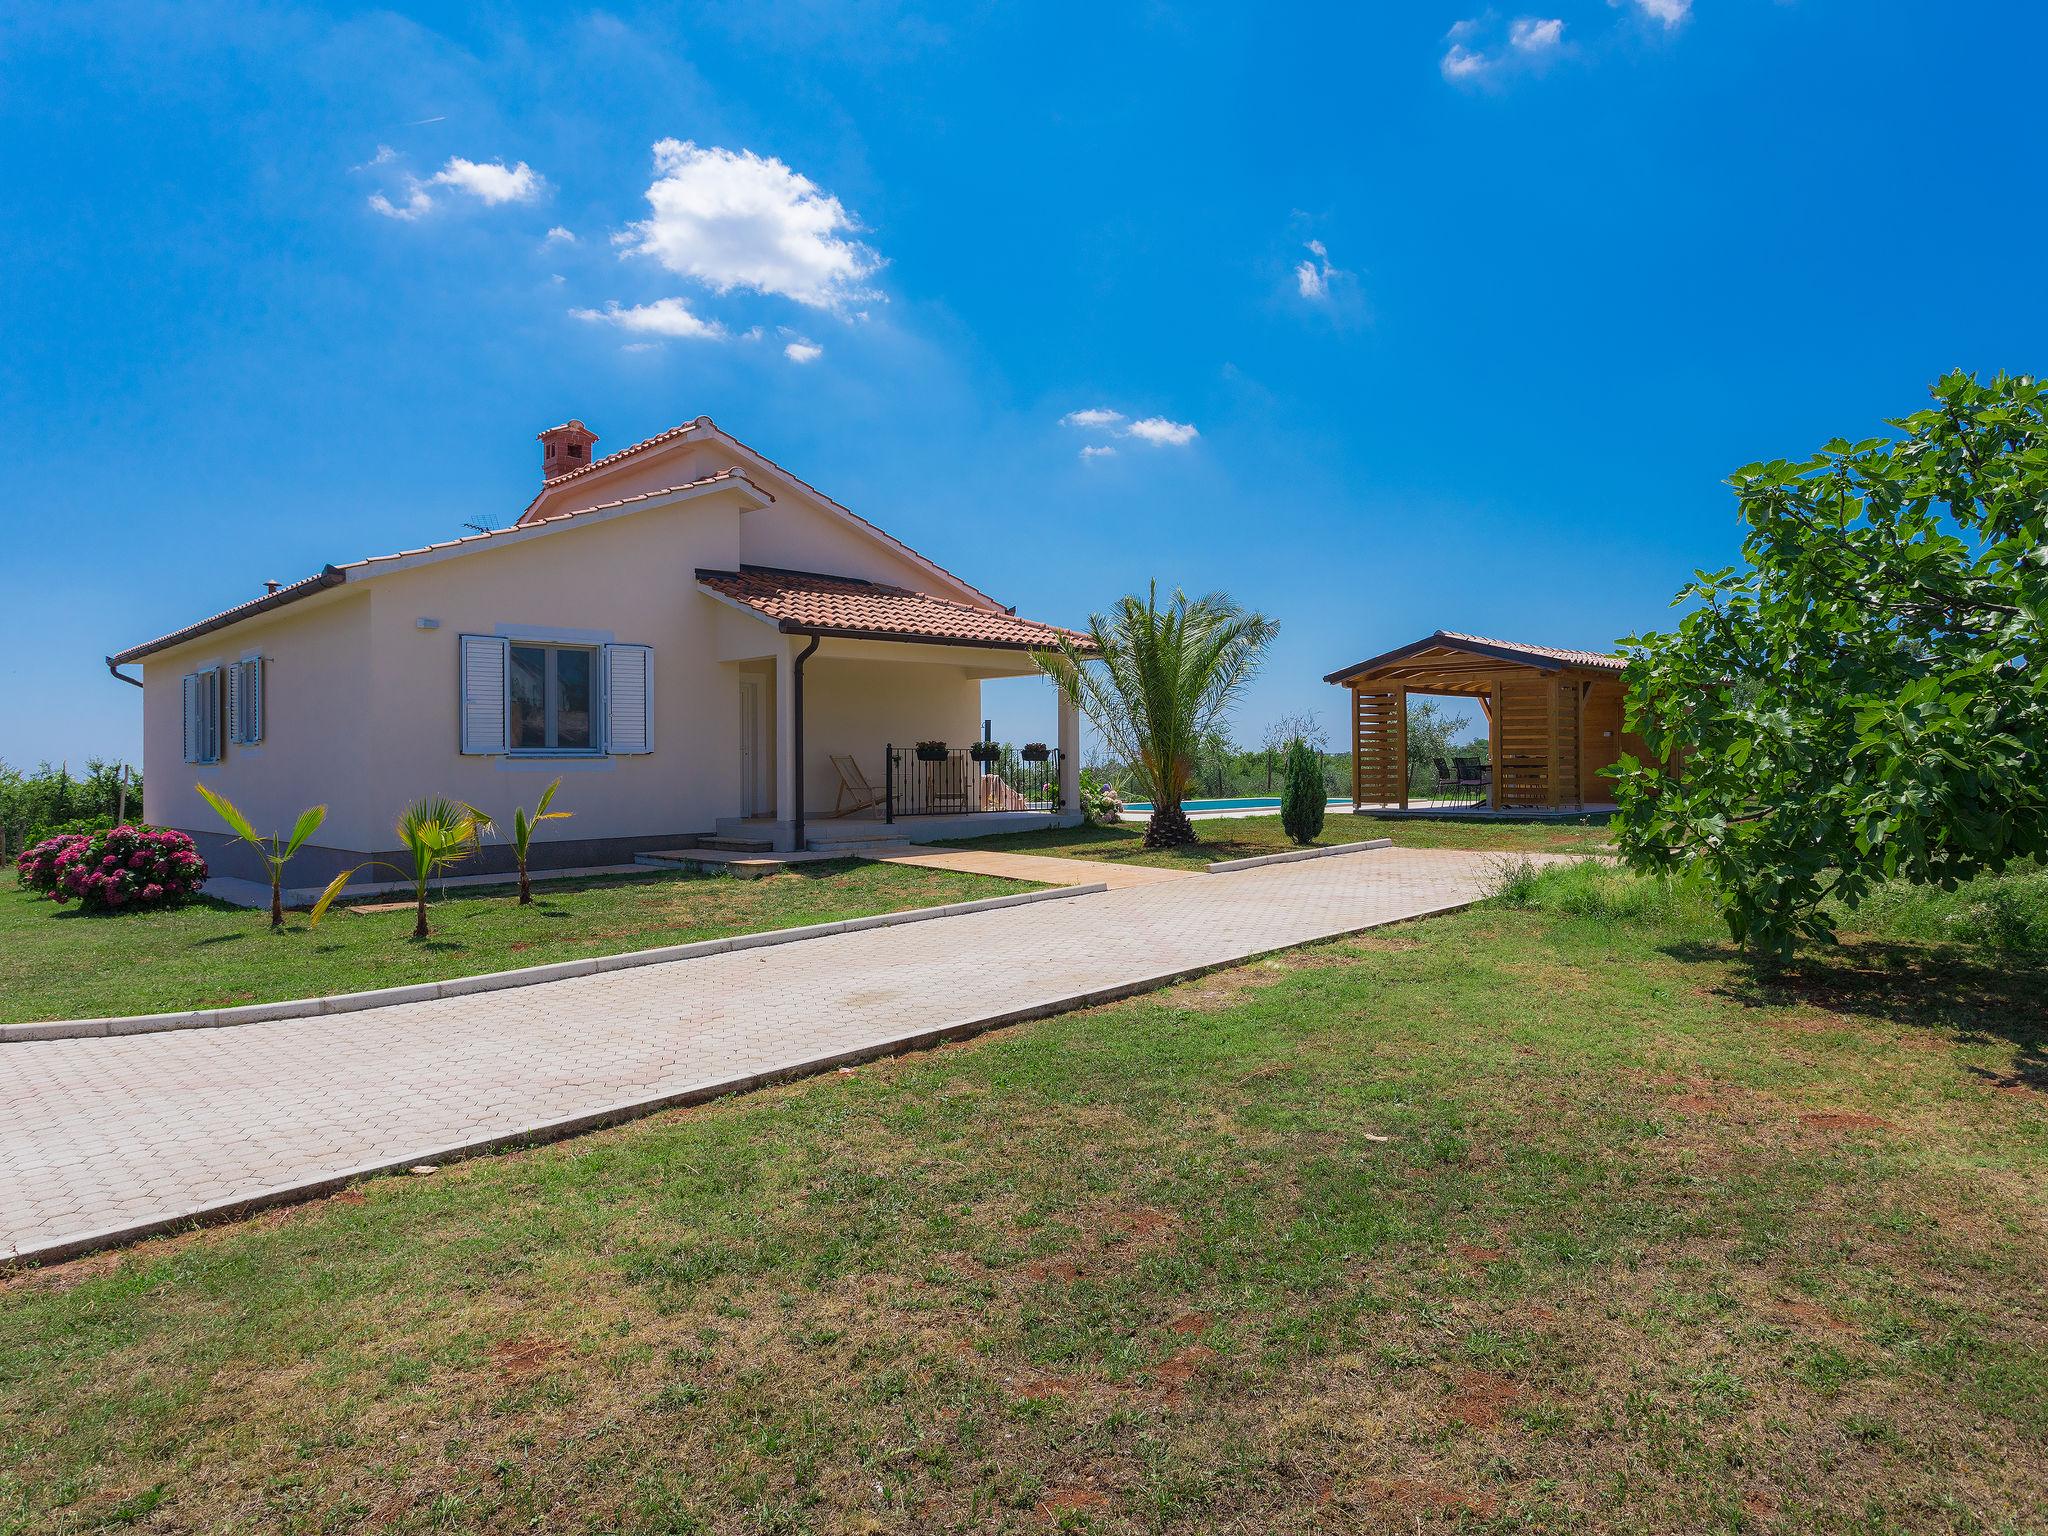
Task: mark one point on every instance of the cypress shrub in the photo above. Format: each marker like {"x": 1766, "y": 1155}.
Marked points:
{"x": 1301, "y": 793}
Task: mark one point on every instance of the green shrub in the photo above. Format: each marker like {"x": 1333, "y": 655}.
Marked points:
{"x": 50, "y": 801}
{"x": 1588, "y": 888}
{"x": 2007, "y": 911}
{"x": 1302, "y": 799}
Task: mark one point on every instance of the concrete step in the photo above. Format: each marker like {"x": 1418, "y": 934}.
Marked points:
{"x": 737, "y": 844}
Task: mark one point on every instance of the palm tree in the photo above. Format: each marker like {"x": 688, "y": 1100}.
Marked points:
{"x": 522, "y": 833}
{"x": 436, "y": 833}
{"x": 1166, "y": 679}
{"x": 276, "y": 852}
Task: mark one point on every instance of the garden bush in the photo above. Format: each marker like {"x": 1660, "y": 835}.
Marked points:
{"x": 1302, "y": 798}
{"x": 1101, "y": 805}
{"x": 118, "y": 868}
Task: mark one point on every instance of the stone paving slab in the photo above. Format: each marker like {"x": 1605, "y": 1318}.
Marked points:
{"x": 1045, "y": 868}
{"x": 104, "y": 1140}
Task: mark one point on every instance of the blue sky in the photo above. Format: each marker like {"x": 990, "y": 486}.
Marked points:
{"x": 282, "y": 289}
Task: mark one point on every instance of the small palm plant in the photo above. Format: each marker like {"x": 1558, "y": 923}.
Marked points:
{"x": 277, "y": 852}
{"x": 435, "y": 833}
{"x": 522, "y": 833}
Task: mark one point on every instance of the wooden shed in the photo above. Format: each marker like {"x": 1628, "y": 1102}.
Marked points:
{"x": 1554, "y": 718}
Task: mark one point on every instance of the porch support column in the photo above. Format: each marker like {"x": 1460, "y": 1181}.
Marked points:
{"x": 785, "y": 745}
{"x": 1070, "y": 754}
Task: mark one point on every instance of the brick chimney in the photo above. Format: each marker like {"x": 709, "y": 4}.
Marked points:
{"x": 565, "y": 448}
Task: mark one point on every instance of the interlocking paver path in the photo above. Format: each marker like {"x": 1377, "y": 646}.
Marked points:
{"x": 1045, "y": 868}
{"x": 102, "y": 1138}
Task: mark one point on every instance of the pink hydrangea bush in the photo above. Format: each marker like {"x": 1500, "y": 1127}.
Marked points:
{"x": 114, "y": 870}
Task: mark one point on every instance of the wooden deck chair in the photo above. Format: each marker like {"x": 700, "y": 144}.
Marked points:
{"x": 853, "y": 786}
{"x": 999, "y": 796}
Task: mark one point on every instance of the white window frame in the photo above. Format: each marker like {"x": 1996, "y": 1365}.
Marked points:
{"x": 551, "y": 649}
{"x": 484, "y": 664}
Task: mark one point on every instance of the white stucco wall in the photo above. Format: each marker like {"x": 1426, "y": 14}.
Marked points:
{"x": 858, "y": 708}
{"x": 318, "y": 728}
{"x": 631, "y": 580}
{"x": 362, "y": 701}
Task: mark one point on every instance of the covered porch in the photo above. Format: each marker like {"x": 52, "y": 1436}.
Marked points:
{"x": 1553, "y": 715}
{"x": 860, "y": 715}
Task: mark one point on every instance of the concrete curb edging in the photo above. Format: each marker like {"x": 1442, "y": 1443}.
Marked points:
{"x": 1296, "y": 855}
{"x": 498, "y": 981}
{"x": 699, "y": 1093}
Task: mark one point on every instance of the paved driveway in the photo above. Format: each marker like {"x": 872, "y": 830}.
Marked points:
{"x": 108, "y": 1138}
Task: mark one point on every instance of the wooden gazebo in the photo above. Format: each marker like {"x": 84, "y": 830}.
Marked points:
{"x": 1555, "y": 718}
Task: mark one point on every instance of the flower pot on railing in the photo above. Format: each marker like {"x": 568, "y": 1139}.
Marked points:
{"x": 931, "y": 751}
{"x": 1035, "y": 752}
{"x": 985, "y": 752}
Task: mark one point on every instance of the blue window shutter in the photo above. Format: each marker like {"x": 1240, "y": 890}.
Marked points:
{"x": 486, "y": 660}
{"x": 628, "y": 699}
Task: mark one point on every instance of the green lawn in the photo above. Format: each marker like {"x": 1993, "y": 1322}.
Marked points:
{"x": 61, "y": 963}
{"x": 1241, "y": 837}
{"x": 1540, "y": 1217}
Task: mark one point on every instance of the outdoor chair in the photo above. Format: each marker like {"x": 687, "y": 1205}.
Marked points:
{"x": 1474, "y": 777}
{"x": 855, "y": 792}
{"x": 1446, "y": 779}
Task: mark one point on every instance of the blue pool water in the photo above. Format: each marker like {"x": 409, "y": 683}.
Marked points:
{"x": 1259, "y": 803}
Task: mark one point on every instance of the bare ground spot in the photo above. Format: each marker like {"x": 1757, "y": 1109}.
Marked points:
{"x": 520, "y": 1359}
{"x": 1062, "y": 1501}
{"x": 1054, "y": 1269}
{"x": 1479, "y": 1397}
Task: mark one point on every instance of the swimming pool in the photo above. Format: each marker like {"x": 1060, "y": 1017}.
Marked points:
{"x": 1257, "y": 803}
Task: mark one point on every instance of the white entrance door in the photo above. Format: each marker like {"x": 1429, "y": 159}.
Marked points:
{"x": 750, "y": 747}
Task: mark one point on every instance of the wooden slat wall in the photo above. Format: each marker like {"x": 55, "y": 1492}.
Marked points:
{"x": 1522, "y": 727}
{"x": 1566, "y": 781}
{"x": 1378, "y": 757}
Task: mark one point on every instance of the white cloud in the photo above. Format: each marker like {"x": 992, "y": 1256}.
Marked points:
{"x": 1097, "y": 416}
{"x": 1312, "y": 277}
{"x": 1462, "y": 63}
{"x": 1099, "y": 451}
{"x": 1530, "y": 43}
{"x": 1670, "y": 12}
{"x": 1156, "y": 430}
{"x": 560, "y": 236}
{"x": 664, "y": 317}
{"x": 1162, "y": 433}
{"x": 416, "y": 203}
{"x": 803, "y": 350}
{"x": 738, "y": 220}
{"x": 490, "y": 181}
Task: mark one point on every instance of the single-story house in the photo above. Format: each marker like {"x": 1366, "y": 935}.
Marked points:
{"x": 1554, "y": 718}
{"x": 699, "y": 644}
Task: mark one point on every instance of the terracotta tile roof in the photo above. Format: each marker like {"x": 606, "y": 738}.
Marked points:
{"x": 612, "y": 458}
{"x": 327, "y": 576}
{"x": 1569, "y": 657}
{"x": 1548, "y": 658}
{"x": 812, "y": 602}
{"x": 707, "y": 425}
{"x": 723, "y": 475}
{"x": 335, "y": 575}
